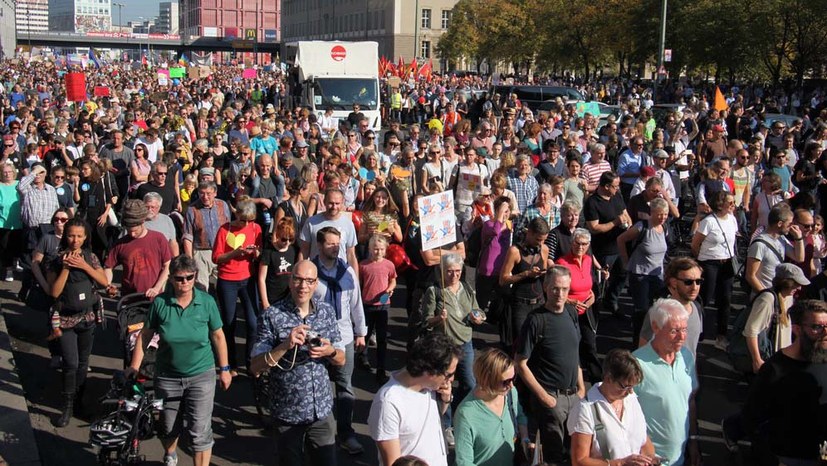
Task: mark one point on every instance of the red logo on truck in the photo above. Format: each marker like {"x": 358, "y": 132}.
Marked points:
{"x": 338, "y": 53}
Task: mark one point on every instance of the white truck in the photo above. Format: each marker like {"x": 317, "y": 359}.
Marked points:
{"x": 337, "y": 75}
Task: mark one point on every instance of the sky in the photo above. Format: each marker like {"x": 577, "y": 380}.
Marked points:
{"x": 134, "y": 9}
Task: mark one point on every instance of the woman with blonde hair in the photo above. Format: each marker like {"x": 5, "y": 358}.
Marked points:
{"x": 490, "y": 416}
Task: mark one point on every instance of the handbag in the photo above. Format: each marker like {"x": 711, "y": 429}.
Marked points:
{"x": 111, "y": 217}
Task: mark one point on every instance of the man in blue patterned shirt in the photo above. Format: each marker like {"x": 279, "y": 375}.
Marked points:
{"x": 301, "y": 401}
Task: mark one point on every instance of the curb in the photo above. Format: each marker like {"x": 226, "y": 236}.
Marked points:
{"x": 17, "y": 442}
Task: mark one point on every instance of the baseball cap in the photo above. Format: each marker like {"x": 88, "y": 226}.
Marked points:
{"x": 302, "y": 143}
{"x": 660, "y": 154}
{"x": 647, "y": 171}
{"x": 791, "y": 271}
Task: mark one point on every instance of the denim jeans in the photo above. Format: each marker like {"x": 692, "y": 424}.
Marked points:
{"x": 316, "y": 440}
{"x": 718, "y": 284}
{"x": 345, "y": 397}
{"x": 76, "y": 347}
{"x": 188, "y": 401}
{"x": 467, "y": 382}
{"x": 229, "y": 291}
{"x": 644, "y": 289}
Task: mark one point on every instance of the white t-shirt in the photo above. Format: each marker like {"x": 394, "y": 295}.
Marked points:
{"x": 345, "y": 226}
{"x": 625, "y": 437}
{"x": 412, "y": 418}
{"x": 718, "y": 235}
{"x": 768, "y": 258}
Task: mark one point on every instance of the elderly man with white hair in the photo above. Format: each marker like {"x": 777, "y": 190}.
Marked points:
{"x": 156, "y": 221}
{"x": 667, "y": 392}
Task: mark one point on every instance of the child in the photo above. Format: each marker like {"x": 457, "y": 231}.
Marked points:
{"x": 378, "y": 277}
{"x": 186, "y": 192}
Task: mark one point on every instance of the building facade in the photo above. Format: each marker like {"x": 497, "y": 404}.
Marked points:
{"x": 403, "y": 28}
{"x": 231, "y": 20}
{"x": 80, "y": 15}
{"x": 8, "y": 25}
{"x": 31, "y": 16}
{"x": 168, "y": 18}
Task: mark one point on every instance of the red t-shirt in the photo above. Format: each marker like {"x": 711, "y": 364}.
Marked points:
{"x": 142, "y": 259}
{"x": 581, "y": 276}
{"x": 375, "y": 278}
{"x": 231, "y": 237}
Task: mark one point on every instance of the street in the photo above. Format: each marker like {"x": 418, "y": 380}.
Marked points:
{"x": 239, "y": 436}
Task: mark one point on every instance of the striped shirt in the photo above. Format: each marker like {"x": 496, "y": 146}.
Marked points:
{"x": 592, "y": 171}
{"x": 38, "y": 204}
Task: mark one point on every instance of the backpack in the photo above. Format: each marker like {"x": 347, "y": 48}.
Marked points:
{"x": 737, "y": 348}
{"x": 632, "y": 245}
{"x": 473, "y": 247}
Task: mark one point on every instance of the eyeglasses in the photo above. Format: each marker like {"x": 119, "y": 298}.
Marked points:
{"x": 449, "y": 375}
{"x": 298, "y": 281}
{"x": 625, "y": 388}
{"x": 184, "y": 278}
{"x": 508, "y": 382}
{"x": 286, "y": 240}
{"x": 690, "y": 282}
{"x": 161, "y": 173}
{"x": 434, "y": 153}
{"x": 684, "y": 331}
{"x": 8, "y": 145}
{"x": 55, "y": 177}
{"x": 815, "y": 328}
{"x": 807, "y": 226}
{"x": 61, "y": 219}
{"x": 582, "y": 244}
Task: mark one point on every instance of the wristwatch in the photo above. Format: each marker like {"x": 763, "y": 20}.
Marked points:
{"x": 224, "y": 368}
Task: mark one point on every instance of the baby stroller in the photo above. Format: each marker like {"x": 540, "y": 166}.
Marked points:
{"x": 118, "y": 435}
{"x": 132, "y": 311}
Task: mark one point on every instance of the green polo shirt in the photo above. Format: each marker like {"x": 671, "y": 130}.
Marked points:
{"x": 664, "y": 397}
{"x": 185, "y": 349}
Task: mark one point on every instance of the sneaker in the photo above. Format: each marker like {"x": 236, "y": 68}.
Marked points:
{"x": 17, "y": 267}
{"x": 721, "y": 342}
{"x": 730, "y": 444}
{"x": 170, "y": 460}
{"x": 9, "y": 275}
{"x": 55, "y": 362}
{"x": 352, "y": 446}
{"x": 449, "y": 437}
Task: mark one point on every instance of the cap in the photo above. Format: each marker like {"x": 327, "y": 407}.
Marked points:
{"x": 793, "y": 271}
{"x": 60, "y": 139}
{"x": 718, "y": 128}
{"x": 482, "y": 151}
{"x": 134, "y": 213}
{"x": 660, "y": 154}
{"x": 210, "y": 171}
{"x": 647, "y": 171}
{"x": 8, "y": 137}
{"x": 302, "y": 143}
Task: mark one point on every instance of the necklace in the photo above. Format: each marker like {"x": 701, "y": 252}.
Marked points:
{"x": 618, "y": 411}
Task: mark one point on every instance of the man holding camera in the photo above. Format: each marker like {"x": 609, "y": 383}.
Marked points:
{"x": 296, "y": 339}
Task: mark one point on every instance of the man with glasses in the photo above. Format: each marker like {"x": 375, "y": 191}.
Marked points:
{"x": 628, "y": 166}
{"x": 804, "y": 220}
{"x": 144, "y": 255}
{"x": 122, "y": 158}
{"x": 201, "y": 223}
{"x": 484, "y": 137}
{"x": 158, "y": 183}
{"x": 783, "y": 413}
{"x": 548, "y": 362}
{"x": 405, "y": 414}
{"x": 333, "y": 216}
{"x": 667, "y": 392}
{"x": 298, "y": 363}
{"x": 780, "y": 241}
{"x": 37, "y": 205}
{"x": 683, "y": 281}
{"x": 776, "y": 137}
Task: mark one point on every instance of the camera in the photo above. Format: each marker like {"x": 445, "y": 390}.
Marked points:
{"x": 313, "y": 339}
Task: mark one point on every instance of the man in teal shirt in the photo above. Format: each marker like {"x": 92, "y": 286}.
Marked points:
{"x": 667, "y": 392}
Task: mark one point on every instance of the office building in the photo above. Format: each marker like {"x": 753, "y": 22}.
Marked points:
{"x": 8, "y": 21}
{"x": 168, "y": 18}
{"x": 230, "y": 20}
{"x": 31, "y": 16}
{"x": 396, "y": 25}
{"x": 80, "y": 15}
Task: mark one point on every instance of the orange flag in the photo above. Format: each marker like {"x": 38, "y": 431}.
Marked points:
{"x": 425, "y": 71}
{"x": 400, "y": 68}
{"x": 720, "y": 101}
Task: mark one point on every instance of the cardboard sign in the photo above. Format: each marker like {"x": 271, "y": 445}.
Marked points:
{"x": 249, "y": 73}
{"x": 437, "y": 220}
{"x": 101, "y": 91}
{"x": 177, "y": 73}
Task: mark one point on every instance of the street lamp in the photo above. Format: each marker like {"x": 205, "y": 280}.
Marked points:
{"x": 661, "y": 47}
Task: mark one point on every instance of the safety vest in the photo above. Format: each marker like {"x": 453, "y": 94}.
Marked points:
{"x": 396, "y": 101}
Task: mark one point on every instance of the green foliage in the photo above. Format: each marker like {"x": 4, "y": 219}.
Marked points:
{"x": 729, "y": 39}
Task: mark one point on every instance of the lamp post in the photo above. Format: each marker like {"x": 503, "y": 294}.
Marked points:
{"x": 120, "y": 10}
{"x": 661, "y": 47}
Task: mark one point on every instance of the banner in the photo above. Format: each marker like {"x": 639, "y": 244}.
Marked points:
{"x": 437, "y": 220}
{"x": 75, "y": 87}
{"x": 101, "y": 91}
{"x": 249, "y": 73}
{"x": 591, "y": 108}
{"x": 177, "y": 72}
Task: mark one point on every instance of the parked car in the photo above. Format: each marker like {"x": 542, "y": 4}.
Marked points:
{"x": 534, "y": 96}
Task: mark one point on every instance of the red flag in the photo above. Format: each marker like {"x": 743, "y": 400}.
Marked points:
{"x": 425, "y": 71}
{"x": 400, "y": 68}
{"x": 383, "y": 65}
{"x": 413, "y": 68}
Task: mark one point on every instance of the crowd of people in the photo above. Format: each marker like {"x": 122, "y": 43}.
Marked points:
{"x": 223, "y": 200}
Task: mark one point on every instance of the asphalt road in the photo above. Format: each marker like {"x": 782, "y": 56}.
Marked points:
{"x": 239, "y": 436}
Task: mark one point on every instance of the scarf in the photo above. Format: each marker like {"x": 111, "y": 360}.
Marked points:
{"x": 333, "y": 283}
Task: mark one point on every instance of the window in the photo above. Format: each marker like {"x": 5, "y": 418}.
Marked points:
{"x": 425, "y": 49}
{"x": 426, "y": 18}
{"x": 446, "y": 18}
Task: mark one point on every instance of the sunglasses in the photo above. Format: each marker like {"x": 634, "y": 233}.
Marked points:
{"x": 161, "y": 173}
{"x": 55, "y": 177}
{"x": 508, "y": 382}
{"x": 61, "y": 219}
{"x": 184, "y": 278}
{"x": 690, "y": 282}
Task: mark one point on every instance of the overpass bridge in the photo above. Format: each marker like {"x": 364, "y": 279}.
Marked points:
{"x": 118, "y": 40}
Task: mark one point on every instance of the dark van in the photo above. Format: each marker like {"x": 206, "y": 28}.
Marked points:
{"x": 533, "y": 96}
